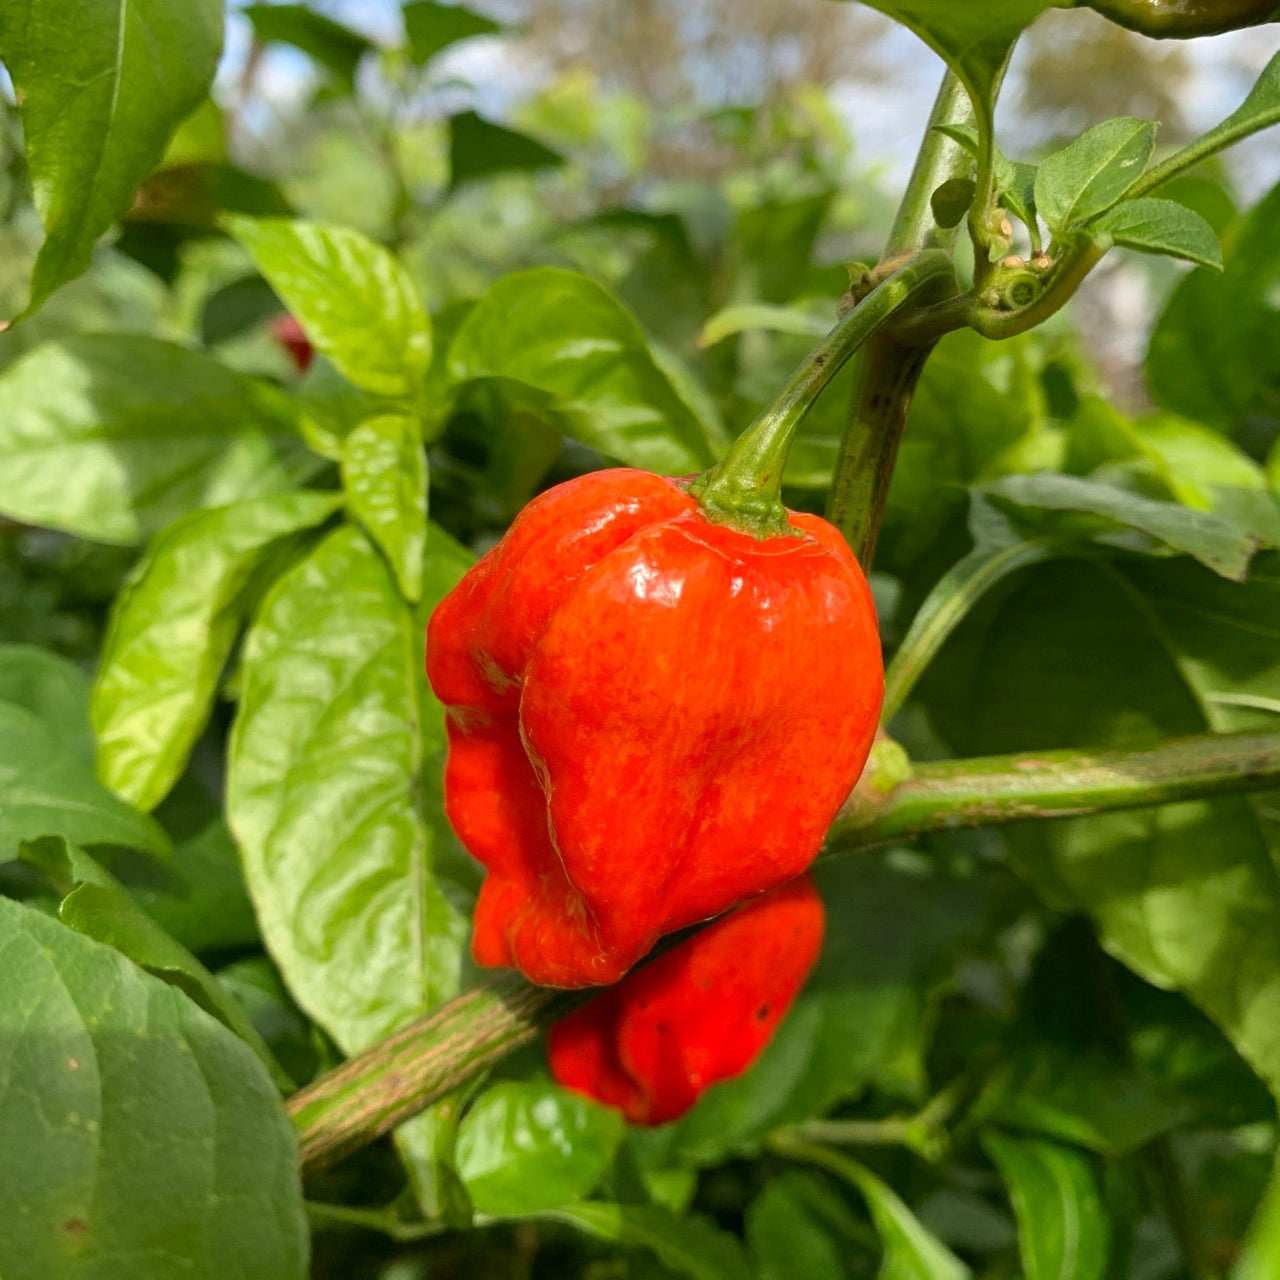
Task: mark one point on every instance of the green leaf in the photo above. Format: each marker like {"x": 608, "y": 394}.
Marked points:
{"x": 111, "y": 436}
{"x": 523, "y": 1148}
{"x": 171, "y": 630}
{"x": 747, "y": 316}
{"x": 96, "y": 904}
{"x": 480, "y": 149}
{"x": 432, "y": 27}
{"x": 1016, "y": 185}
{"x": 1161, "y": 226}
{"x": 1214, "y": 540}
{"x": 1260, "y": 1255}
{"x": 1186, "y": 895}
{"x": 327, "y": 759}
{"x": 686, "y": 1244}
{"x": 52, "y": 688}
{"x": 384, "y": 475}
{"x": 798, "y": 1228}
{"x": 330, "y": 43}
{"x": 101, "y": 88}
{"x": 1063, "y": 1229}
{"x": 911, "y": 1252}
{"x": 1092, "y": 173}
{"x": 47, "y": 789}
{"x": 950, "y": 202}
{"x": 357, "y": 304}
{"x": 974, "y": 37}
{"x": 1215, "y": 351}
{"x": 576, "y": 357}
{"x": 141, "y": 1137}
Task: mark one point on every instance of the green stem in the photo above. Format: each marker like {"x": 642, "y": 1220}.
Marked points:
{"x": 381, "y": 1088}
{"x": 887, "y": 370}
{"x": 743, "y": 489}
{"x": 386, "y": 1221}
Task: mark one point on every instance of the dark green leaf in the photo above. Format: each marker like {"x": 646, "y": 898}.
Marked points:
{"x": 951, "y": 201}
{"x": 101, "y": 88}
{"x": 523, "y": 1148}
{"x": 1161, "y": 226}
{"x": 172, "y": 628}
{"x": 479, "y": 149}
{"x": 96, "y": 904}
{"x": 1215, "y": 351}
{"x": 1092, "y": 173}
{"x": 326, "y": 763}
{"x": 358, "y": 305}
{"x": 384, "y": 475}
{"x": 1214, "y": 540}
{"x": 332, "y": 45}
{"x": 141, "y": 1137}
{"x": 111, "y": 436}
{"x": 688, "y": 1245}
{"x": 1260, "y": 1256}
{"x": 798, "y": 1228}
{"x": 586, "y": 367}
{"x": 48, "y": 789}
{"x": 432, "y": 27}
{"x": 1063, "y": 1229}
{"x": 53, "y": 688}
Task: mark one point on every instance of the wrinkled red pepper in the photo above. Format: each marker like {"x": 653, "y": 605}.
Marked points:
{"x": 651, "y": 718}
{"x": 698, "y": 1014}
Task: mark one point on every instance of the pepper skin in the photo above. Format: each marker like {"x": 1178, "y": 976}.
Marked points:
{"x": 289, "y": 333}
{"x": 651, "y": 718}
{"x": 698, "y": 1014}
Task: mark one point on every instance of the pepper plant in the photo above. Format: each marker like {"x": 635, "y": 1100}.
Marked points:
{"x": 258, "y": 422}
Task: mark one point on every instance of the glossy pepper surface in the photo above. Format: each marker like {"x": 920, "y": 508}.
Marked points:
{"x": 698, "y": 1014}
{"x": 651, "y": 718}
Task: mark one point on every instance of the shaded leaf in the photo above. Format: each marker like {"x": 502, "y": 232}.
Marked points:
{"x": 330, "y": 43}
{"x": 141, "y": 1136}
{"x": 52, "y": 688}
{"x": 1063, "y": 1230}
{"x": 171, "y": 630}
{"x": 479, "y": 149}
{"x": 432, "y": 27}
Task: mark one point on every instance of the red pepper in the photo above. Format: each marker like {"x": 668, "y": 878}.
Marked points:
{"x": 651, "y": 718}
{"x": 289, "y": 333}
{"x": 698, "y": 1014}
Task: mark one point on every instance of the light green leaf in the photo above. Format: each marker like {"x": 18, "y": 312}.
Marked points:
{"x": 357, "y": 304}
{"x": 575, "y": 355}
{"x": 523, "y": 1148}
{"x": 384, "y": 475}
{"x": 48, "y": 789}
{"x": 1161, "y": 226}
{"x": 480, "y": 149}
{"x": 746, "y": 316}
{"x": 433, "y": 27}
{"x": 686, "y": 1244}
{"x": 1093, "y": 172}
{"x": 330, "y": 43}
{"x": 111, "y": 436}
{"x": 101, "y": 88}
{"x": 96, "y": 904}
{"x": 141, "y": 1137}
{"x": 171, "y": 630}
{"x": 1063, "y": 1229}
{"x": 326, "y": 767}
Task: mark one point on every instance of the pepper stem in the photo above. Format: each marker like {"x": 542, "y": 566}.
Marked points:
{"x": 742, "y": 490}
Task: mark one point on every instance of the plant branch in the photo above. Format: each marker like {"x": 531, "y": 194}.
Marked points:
{"x": 381, "y": 1088}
